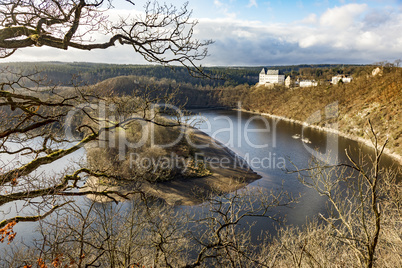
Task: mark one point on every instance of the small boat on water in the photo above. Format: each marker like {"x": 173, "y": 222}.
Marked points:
{"x": 303, "y": 139}
{"x": 296, "y": 136}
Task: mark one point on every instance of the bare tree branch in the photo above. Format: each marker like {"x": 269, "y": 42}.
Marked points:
{"x": 164, "y": 34}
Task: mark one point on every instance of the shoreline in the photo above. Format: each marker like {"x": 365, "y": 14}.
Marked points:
{"x": 193, "y": 191}
{"x": 189, "y": 191}
{"x": 387, "y": 151}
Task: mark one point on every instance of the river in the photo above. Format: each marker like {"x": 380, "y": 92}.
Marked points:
{"x": 272, "y": 148}
{"x": 275, "y": 147}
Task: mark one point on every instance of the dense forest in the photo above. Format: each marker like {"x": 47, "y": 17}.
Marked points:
{"x": 378, "y": 98}
{"x": 93, "y": 173}
{"x": 91, "y": 73}
{"x": 152, "y": 233}
{"x": 221, "y": 88}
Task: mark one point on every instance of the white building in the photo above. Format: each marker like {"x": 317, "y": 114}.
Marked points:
{"x": 288, "y": 81}
{"x": 308, "y": 83}
{"x": 377, "y": 71}
{"x": 271, "y": 77}
{"x": 336, "y": 79}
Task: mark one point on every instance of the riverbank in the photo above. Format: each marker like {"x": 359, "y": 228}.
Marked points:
{"x": 350, "y": 105}
{"x": 387, "y": 151}
{"x": 229, "y": 172}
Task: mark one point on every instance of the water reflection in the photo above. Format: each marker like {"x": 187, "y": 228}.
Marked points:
{"x": 247, "y": 133}
{"x": 254, "y": 138}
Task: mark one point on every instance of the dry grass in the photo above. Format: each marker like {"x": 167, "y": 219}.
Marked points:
{"x": 376, "y": 98}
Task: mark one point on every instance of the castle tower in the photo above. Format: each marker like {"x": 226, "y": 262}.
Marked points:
{"x": 288, "y": 81}
{"x": 262, "y": 76}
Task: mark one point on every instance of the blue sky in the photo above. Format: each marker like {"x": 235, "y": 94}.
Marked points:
{"x": 261, "y": 33}
{"x": 277, "y": 11}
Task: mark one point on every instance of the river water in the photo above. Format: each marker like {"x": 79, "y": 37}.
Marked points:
{"x": 272, "y": 148}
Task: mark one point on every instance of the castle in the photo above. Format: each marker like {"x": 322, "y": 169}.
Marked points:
{"x": 343, "y": 78}
{"x": 271, "y": 77}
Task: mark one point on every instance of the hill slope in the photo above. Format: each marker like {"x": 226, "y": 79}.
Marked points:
{"x": 376, "y": 98}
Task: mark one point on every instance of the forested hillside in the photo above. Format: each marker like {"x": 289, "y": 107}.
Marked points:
{"x": 91, "y": 73}
{"x": 191, "y": 96}
{"x": 378, "y": 98}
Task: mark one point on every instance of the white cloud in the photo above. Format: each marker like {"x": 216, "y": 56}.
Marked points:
{"x": 342, "y": 17}
{"x": 252, "y": 3}
{"x": 345, "y": 34}
{"x": 224, "y": 9}
{"x": 310, "y": 19}
{"x": 218, "y": 3}
{"x": 341, "y": 34}
{"x": 368, "y": 40}
{"x": 309, "y": 41}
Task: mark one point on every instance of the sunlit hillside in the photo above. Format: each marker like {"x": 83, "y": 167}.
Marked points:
{"x": 377, "y": 98}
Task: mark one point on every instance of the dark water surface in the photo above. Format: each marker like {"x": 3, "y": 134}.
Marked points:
{"x": 275, "y": 148}
{"x": 271, "y": 147}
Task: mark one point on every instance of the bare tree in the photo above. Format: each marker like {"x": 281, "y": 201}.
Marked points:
{"x": 146, "y": 232}
{"x": 353, "y": 190}
{"x": 163, "y": 34}
{"x": 228, "y": 222}
{"x": 34, "y": 112}
{"x": 33, "y": 138}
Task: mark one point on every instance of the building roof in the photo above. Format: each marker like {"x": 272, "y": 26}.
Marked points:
{"x": 262, "y": 71}
{"x": 273, "y": 72}
{"x": 342, "y": 76}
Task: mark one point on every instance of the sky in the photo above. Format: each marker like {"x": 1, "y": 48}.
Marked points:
{"x": 266, "y": 33}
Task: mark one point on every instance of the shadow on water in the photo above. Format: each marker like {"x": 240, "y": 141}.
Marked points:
{"x": 271, "y": 147}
